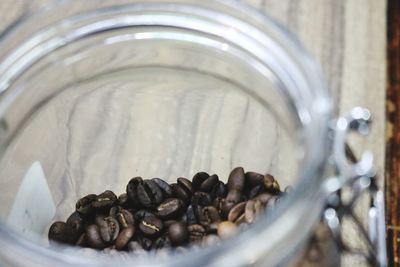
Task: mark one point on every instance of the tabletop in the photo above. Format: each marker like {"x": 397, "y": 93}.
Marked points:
{"x": 347, "y": 37}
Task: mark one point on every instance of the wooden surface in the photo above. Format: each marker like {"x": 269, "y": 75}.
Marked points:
{"x": 347, "y": 37}
{"x": 393, "y": 134}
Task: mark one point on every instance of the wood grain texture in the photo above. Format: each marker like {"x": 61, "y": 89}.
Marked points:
{"x": 347, "y": 37}
{"x": 393, "y": 134}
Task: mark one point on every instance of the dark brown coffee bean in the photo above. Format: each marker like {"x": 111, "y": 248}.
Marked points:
{"x": 81, "y": 240}
{"x": 131, "y": 190}
{"x": 164, "y": 186}
{"x": 84, "y": 205}
{"x": 227, "y": 229}
{"x": 253, "y": 209}
{"x": 63, "y": 233}
{"x": 93, "y": 237}
{"x": 201, "y": 198}
{"x": 140, "y": 214}
{"x": 198, "y": 179}
{"x": 125, "y": 218}
{"x": 209, "y": 183}
{"x": 124, "y": 237}
{"x": 268, "y": 181}
{"x": 123, "y": 200}
{"x": 208, "y": 215}
{"x": 219, "y": 190}
{"x": 109, "y": 229}
{"x": 191, "y": 216}
{"x": 151, "y": 226}
{"x": 264, "y": 198}
{"x": 105, "y": 200}
{"x": 178, "y": 233}
{"x": 149, "y": 194}
{"x": 254, "y": 179}
{"x": 236, "y": 180}
{"x": 255, "y": 191}
{"x": 196, "y": 232}
{"x": 233, "y": 197}
{"x": 76, "y": 221}
{"x": 186, "y": 184}
{"x": 236, "y": 212}
{"x": 114, "y": 211}
{"x": 170, "y": 208}
{"x": 218, "y": 203}
{"x": 180, "y": 193}
{"x": 162, "y": 242}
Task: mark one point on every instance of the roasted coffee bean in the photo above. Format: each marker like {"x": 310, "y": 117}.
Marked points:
{"x": 186, "y": 184}
{"x": 76, "y": 221}
{"x": 125, "y": 218}
{"x": 131, "y": 190}
{"x": 81, "y": 240}
{"x": 219, "y": 190}
{"x": 196, "y": 232}
{"x": 124, "y": 237}
{"x": 180, "y": 193}
{"x": 254, "y": 179}
{"x": 252, "y": 210}
{"x": 255, "y": 191}
{"x": 233, "y": 197}
{"x": 227, "y": 229}
{"x": 218, "y": 203}
{"x": 140, "y": 214}
{"x": 164, "y": 186}
{"x": 168, "y": 223}
{"x": 84, "y": 205}
{"x": 209, "y": 183}
{"x": 198, "y": 179}
{"x": 93, "y": 237}
{"x": 269, "y": 181}
{"x": 123, "y": 200}
{"x": 236, "y": 212}
{"x": 264, "y": 198}
{"x": 105, "y": 200}
{"x": 149, "y": 194}
{"x": 115, "y": 210}
{"x": 208, "y": 215}
{"x": 63, "y": 233}
{"x": 134, "y": 246}
{"x": 178, "y": 233}
{"x": 191, "y": 216}
{"x": 201, "y": 198}
{"x": 151, "y": 226}
{"x": 212, "y": 227}
{"x": 170, "y": 208}
{"x": 236, "y": 180}
{"x": 145, "y": 242}
{"x": 162, "y": 242}
{"x": 109, "y": 228}
{"x": 275, "y": 186}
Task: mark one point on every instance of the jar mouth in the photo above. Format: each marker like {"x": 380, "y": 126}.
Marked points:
{"x": 228, "y": 23}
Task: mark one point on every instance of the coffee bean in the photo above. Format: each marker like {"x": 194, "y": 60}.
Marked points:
{"x": 180, "y": 192}
{"x": 81, "y": 240}
{"x": 168, "y": 223}
{"x": 253, "y": 209}
{"x": 227, "y": 229}
{"x": 170, "y": 208}
{"x": 84, "y": 205}
{"x": 268, "y": 181}
{"x": 236, "y": 180}
{"x": 131, "y": 190}
{"x": 123, "y": 200}
{"x": 178, "y": 233}
{"x": 219, "y": 190}
{"x": 114, "y": 211}
{"x": 201, "y": 198}
{"x": 140, "y": 214}
{"x": 109, "y": 229}
{"x": 149, "y": 194}
{"x": 196, "y": 232}
{"x": 208, "y": 215}
{"x": 63, "y": 233}
{"x": 105, "y": 200}
{"x": 264, "y": 198}
{"x": 209, "y": 183}
{"x": 218, "y": 203}
{"x": 255, "y": 191}
{"x": 162, "y": 242}
{"x": 76, "y": 221}
{"x": 236, "y": 212}
{"x": 145, "y": 242}
{"x": 125, "y": 218}
{"x": 254, "y": 179}
{"x": 93, "y": 237}
{"x": 124, "y": 237}
{"x": 151, "y": 226}
{"x": 164, "y": 186}
{"x": 233, "y": 197}
{"x": 275, "y": 186}
{"x": 186, "y": 185}
{"x": 191, "y": 216}
{"x": 198, "y": 179}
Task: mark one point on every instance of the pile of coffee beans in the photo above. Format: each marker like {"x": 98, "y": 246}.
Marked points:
{"x": 154, "y": 214}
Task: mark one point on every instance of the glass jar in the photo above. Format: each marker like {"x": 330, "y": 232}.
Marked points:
{"x": 96, "y": 92}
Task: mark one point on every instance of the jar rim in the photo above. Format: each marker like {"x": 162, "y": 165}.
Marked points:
{"x": 317, "y": 96}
